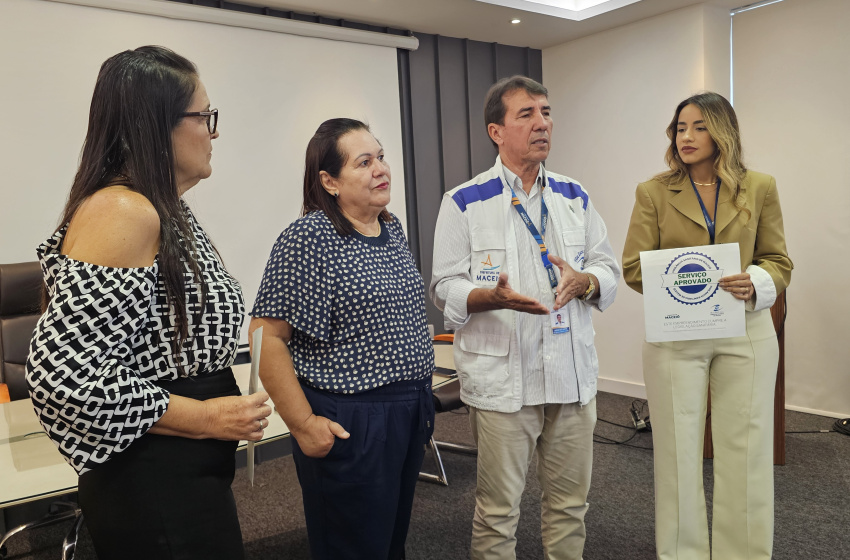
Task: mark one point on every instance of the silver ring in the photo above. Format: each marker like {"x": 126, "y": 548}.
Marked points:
{"x": 260, "y": 422}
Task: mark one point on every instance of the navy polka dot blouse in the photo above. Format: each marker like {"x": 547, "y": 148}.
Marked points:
{"x": 356, "y": 305}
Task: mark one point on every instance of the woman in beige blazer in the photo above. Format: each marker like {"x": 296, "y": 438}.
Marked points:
{"x": 707, "y": 197}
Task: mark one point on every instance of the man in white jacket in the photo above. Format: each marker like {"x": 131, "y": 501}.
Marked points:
{"x": 520, "y": 259}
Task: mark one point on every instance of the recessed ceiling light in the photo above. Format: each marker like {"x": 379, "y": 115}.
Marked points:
{"x": 576, "y": 10}
{"x": 515, "y": 20}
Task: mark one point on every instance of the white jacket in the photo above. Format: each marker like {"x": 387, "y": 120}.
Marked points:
{"x": 475, "y": 220}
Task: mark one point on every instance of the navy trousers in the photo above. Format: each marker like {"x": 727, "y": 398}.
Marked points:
{"x": 357, "y": 499}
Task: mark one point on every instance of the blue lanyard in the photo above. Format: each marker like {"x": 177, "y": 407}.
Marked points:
{"x": 538, "y": 236}
{"x": 709, "y": 223}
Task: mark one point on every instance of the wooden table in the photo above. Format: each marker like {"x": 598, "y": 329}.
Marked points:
{"x": 445, "y": 361}
{"x": 31, "y": 467}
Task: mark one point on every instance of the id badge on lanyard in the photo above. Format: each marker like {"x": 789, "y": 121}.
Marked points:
{"x": 556, "y": 318}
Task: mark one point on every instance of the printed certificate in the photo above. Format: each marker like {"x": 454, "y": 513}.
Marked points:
{"x": 681, "y": 297}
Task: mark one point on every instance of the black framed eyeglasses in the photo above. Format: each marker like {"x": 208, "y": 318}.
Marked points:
{"x": 211, "y": 117}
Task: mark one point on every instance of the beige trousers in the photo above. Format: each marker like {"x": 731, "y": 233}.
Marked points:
{"x": 562, "y": 436}
{"x": 741, "y": 372}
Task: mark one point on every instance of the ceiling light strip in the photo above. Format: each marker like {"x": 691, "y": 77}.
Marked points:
{"x": 749, "y": 7}
{"x": 576, "y": 10}
{"x": 188, "y": 12}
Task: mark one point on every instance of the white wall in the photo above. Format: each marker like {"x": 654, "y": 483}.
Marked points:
{"x": 613, "y": 95}
{"x": 273, "y": 91}
{"x": 792, "y": 75}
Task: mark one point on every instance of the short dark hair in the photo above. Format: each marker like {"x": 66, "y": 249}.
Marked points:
{"x": 324, "y": 154}
{"x": 494, "y": 105}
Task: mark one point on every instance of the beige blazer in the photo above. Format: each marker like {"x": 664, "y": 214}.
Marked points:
{"x": 669, "y": 216}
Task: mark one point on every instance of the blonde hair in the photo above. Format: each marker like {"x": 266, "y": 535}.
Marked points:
{"x": 722, "y": 124}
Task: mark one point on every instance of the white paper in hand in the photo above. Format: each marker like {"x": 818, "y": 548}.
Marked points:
{"x": 682, "y": 298}
{"x": 253, "y": 385}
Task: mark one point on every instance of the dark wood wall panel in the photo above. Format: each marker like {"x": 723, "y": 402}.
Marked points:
{"x": 534, "y": 60}
{"x": 454, "y": 121}
{"x": 510, "y": 61}
{"x": 408, "y": 159}
{"x": 427, "y": 155}
{"x": 481, "y": 65}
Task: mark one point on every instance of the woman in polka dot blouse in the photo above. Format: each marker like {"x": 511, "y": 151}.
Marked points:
{"x": 347, "y": 358}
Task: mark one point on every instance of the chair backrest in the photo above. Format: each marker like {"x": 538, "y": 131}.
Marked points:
{"x": 20, "y": 303}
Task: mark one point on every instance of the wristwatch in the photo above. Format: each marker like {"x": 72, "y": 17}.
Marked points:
{"x": 590, "y": 289}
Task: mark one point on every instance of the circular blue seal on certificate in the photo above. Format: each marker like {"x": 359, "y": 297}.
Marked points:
{"x": 691, "y": 278}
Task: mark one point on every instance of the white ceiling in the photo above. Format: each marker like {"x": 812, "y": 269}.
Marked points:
{"x": 469, "y": 19}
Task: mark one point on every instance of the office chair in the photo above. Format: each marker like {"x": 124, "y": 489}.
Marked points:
{"x": 446, "y": 399}
{"x": 20, "y": 308}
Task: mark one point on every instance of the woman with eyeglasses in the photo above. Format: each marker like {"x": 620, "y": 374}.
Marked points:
{"x": 347, "y": 357}
{"x": 129, "y": 367}
{"x": 709, "y": 197}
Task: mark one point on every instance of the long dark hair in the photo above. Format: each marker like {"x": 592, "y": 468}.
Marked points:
{"x": 325, "y": 154}
{"x": 138, "y": 100}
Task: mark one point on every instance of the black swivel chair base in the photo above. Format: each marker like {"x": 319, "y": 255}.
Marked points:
{"x": 59, "y": 512}
{"x": 446, "y": 398}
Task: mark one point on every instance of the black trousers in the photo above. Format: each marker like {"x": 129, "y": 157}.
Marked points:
{"x": 166, "y": 497}
{"x": 357, "y": 499}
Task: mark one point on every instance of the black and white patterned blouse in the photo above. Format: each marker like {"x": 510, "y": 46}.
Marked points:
{"x": 356, "y": 305}
{"x": 105, "y": 340}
